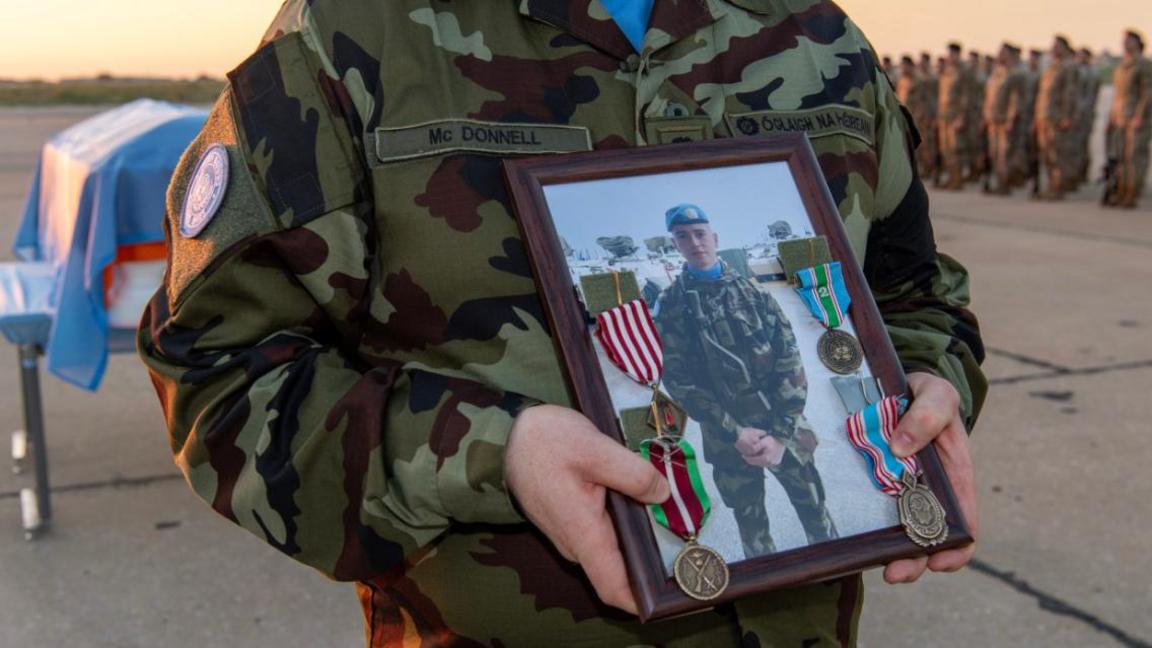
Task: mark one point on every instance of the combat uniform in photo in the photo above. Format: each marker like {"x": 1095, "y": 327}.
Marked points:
{"x": 342, "y": 349}
{"x": 731, "y": 360}
{"x": 1130, "y": 128}
{"x": 1057, "y": 108}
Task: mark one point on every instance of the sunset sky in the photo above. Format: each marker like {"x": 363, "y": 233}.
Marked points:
{"x": 60, "y": 38}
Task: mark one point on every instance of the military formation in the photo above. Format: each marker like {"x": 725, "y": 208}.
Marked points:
{"x": 1010, "y": 124}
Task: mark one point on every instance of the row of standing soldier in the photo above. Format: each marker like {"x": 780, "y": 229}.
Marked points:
{"x": 1008, "y": 124}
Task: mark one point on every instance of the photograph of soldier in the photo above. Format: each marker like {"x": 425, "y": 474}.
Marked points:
{"x": 739, "y": 345}
{"x": 731, "y": 360}
{"x": 1129, "y": 125}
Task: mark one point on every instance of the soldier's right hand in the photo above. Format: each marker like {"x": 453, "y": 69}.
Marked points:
{"x": 558, "y": 466}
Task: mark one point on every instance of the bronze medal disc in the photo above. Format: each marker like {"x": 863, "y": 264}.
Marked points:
{"x": 839, "y": 351}
{"x": 921, "y": 513}
{"x": 700, "y": 572}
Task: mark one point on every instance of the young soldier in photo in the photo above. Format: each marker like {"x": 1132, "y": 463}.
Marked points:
{"x": 1130, "y": 124}
{"x": 352, "y": 355}
{"x": 1003, "y": 103}
{"x": 731, "y": 361}
{"x": 1057, "y": 111}
{"x": 954, "y": 118}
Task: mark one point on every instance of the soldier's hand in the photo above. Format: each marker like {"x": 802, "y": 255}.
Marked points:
{"x": 559, "y": 467}
{"x": 767, "y": 453}
{"x": 934, "y": 416}
{"x": 747, "y": 439}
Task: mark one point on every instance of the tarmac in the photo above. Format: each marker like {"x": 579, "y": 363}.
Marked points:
{"x": 1062, "y": 454}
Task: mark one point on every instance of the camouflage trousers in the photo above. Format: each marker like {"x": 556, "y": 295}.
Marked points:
{"x": 741, "y": 488}
{"x": 1058, "y": 156}
{"x": 954, "y": 153}
{"x": 1000, "y": 151}
{"x": 1130, "y": 148}
{"x": 928, "y": 152}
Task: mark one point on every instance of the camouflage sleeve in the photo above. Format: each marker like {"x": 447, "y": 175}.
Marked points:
{"x": 922, "y": 295}
{"x": 683, "y": 371}
{"x": 1070, "y": 93}
{"x": 339, "y": 455}
{"x": 789, "y": 385}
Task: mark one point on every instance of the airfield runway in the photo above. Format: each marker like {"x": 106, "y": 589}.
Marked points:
{"x": 1062, "y": 450}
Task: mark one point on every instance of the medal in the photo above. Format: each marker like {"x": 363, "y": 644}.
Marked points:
{"x": 870, "y": 431}
{"x": 921, "y": 513}
{"x": 839, "y": 351}
{"x": 633, "y": 345}
{"x": 822, "y": 289}
{"x": 699, "y": 571}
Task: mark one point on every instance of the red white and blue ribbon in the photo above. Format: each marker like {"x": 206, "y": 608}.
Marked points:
{"x": 823, "y": 291}
{"x": 870, "y": 431}
{"x": 630, "y": 339}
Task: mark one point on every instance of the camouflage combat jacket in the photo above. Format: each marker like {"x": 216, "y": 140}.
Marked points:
{"x": 341, "y": 352}
{"x": 1133, "y": 96}
{"x": 730, "y": 356}
{"x": 1004, "y": 96}
{"x": 1058, "y": 95}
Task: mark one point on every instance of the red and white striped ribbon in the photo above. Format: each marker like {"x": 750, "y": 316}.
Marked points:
{"x": 629, "y": 337}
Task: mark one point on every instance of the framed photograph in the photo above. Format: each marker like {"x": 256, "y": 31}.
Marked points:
{"x": 678, "y": 282}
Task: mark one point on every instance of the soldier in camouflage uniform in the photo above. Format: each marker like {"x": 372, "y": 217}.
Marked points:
{"x": 731, "y": 360}
{"x": 1089, "y": 94}
{"x": 1130, "y": 123}
{"x": 953, "y": 118}
{"x": 1026, "y": 160}
{"x": 1057, "y": 108}
{"x": 976, "y": 133}
{"x": 928, "y": 153}
{"x": 1002, "y": 107}
{"x": 350, "y": 349}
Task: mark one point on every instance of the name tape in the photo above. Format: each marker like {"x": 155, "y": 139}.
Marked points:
{"x": 465, "y": 135}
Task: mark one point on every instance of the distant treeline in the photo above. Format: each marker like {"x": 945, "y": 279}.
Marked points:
{"x": 108, "y": 90}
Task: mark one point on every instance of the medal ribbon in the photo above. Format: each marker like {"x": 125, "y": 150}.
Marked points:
{"x": 688, "y": 508}
{"x": 823, "y": 291}
{"x": 629, "y": 336}
{"x": 870, "y": 431}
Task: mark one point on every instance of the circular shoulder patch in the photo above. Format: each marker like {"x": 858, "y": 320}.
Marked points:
{"x": 205, "y": 192}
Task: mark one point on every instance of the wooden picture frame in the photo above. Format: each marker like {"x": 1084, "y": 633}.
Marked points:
{"x": 532, "y": 180}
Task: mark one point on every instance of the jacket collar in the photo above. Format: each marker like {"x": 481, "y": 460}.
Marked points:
{"x": 671, "y": 21}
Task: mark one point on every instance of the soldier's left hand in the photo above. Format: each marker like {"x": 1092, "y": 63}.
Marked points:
{"x": 934, "y": 416}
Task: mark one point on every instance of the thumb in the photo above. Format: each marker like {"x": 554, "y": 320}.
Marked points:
{"x": 614, "y": 466}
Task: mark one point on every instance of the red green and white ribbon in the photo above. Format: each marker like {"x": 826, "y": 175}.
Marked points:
{"x": 687, "y": 510}
{"x": 823, "y": 291}
{"x": 870, "y": 431}
{"x": 629, "y": 337}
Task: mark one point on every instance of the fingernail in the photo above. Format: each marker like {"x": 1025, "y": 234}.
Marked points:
{"x": 902, "y": 445}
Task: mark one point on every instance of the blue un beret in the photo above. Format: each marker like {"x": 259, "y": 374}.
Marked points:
{"x": 685, "y": 214}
